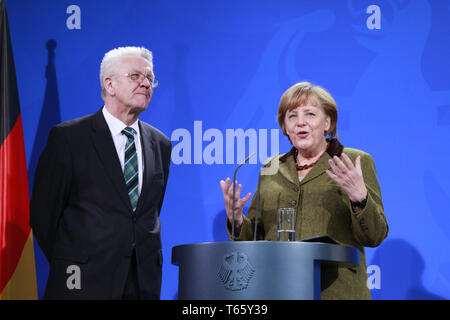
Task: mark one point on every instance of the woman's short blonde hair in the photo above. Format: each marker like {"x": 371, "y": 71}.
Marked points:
{"x": 304, "y": 93}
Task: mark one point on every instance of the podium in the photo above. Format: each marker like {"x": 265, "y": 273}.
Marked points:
{"x": 255, "y": 270}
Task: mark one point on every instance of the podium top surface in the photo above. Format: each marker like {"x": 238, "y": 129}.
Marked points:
{"x": 275, "y": 249}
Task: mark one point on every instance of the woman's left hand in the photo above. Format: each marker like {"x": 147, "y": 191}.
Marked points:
{"x": 348, "y": 176}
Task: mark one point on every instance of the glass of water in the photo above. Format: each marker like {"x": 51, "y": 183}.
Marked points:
{"x": 286, "y": 224}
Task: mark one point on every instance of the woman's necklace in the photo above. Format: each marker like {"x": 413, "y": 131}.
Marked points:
{"x": 306, "y": 166}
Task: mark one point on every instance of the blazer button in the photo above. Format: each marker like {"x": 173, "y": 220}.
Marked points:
{"x": 363, "y": 225}
{"x": 293, "y": 203}
{"x": 295, "y": 188}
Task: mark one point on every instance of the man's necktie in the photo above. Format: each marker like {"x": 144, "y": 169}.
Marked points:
{"x": 130, "y": 170}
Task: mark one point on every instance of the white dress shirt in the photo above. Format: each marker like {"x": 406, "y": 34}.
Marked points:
{"x": 116, "y": 126}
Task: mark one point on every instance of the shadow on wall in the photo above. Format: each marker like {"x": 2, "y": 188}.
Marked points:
{"x": 50, "y": 116}
{"x": 50, "y": 112}
{"x": 402, "y": 268}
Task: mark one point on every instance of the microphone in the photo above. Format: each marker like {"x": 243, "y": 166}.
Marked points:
{"x": 234, "y": 193}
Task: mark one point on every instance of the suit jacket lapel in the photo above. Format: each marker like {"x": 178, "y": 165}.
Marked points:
{"x": 318, "y": 169}
{"x": 107, "y": 153}
{"x": 287, "y": 167}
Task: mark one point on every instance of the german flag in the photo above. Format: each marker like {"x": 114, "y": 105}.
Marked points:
{"x": 17, "y": 265}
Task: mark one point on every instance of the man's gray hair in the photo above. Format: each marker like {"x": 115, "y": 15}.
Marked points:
{"x": 112, "y": 57}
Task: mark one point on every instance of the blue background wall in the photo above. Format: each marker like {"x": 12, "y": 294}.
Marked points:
{"x": 226, "y": 64}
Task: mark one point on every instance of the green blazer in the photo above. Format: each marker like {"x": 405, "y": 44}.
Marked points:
{"x": 322, "y": 208}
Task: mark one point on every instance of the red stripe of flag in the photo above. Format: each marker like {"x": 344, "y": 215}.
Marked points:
{"x": 14, "y": 204}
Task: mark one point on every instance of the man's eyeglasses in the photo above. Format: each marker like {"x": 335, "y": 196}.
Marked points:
{"x": 139, "y": 77}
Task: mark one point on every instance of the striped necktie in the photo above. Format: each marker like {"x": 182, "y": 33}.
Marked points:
{"x": 130, "y": 170}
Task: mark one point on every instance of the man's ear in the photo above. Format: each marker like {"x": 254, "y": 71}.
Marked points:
{"x": 108, "y": 85}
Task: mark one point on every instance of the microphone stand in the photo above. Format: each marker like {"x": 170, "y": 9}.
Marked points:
{"x": 257, "y": 208}
{"x": 234, "y": 193}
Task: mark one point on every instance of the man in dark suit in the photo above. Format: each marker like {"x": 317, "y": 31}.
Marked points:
{"x": 98, "y": 191}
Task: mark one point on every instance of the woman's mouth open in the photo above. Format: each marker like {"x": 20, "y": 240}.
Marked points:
{"x": 302, "y": 134}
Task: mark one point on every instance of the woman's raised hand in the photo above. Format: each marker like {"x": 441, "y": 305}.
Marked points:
{"x": 227, "y": 189}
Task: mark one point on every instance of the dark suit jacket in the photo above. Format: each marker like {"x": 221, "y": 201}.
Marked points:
{"x": 81, "y": 214}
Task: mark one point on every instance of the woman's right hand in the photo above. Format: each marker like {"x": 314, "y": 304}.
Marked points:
{"x": 227, "y": 189}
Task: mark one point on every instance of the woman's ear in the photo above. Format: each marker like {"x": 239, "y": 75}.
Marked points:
{"x": 327, "y": 125}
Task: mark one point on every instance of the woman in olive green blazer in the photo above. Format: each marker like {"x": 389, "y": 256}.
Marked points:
{"x": 334, "y": 190}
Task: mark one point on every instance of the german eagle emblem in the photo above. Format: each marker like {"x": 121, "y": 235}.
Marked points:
{"x": 235, "y": 271}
